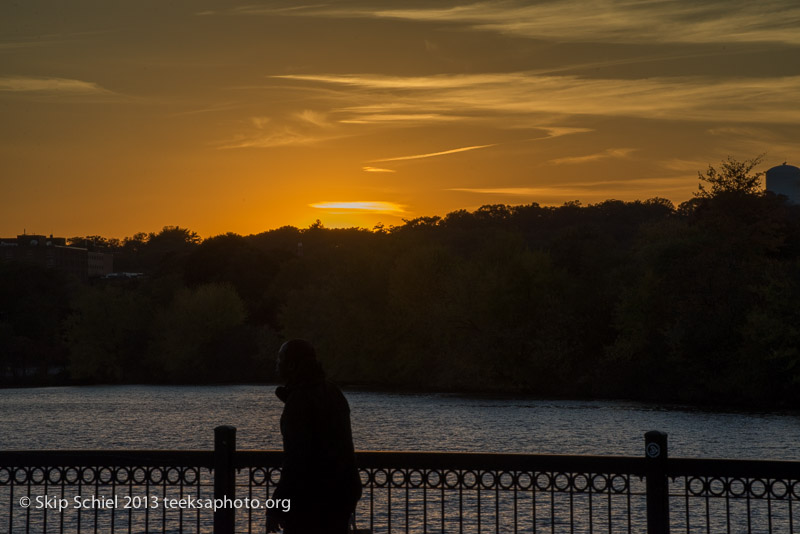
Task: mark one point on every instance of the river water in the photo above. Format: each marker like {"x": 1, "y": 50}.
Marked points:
{"x": 183, "y": 417}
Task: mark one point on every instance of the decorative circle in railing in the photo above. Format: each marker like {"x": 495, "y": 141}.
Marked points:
{"x": 173, "y": 475}
{"x": 37, "y": 475}
{"x": 258, "y": 476}
{"x": 757, "y": 488}
{"x": 779, "y": 489}
{"x": 5, "y": 475}
{"x": 544, "y": 481}
{"x": 599, "y": 483}
{"x": 380, "y": 477}
{"x": 795, "y": 490}
{"x": 737, "y": 487}
{"x": 274, "y": 475}
{"x": 105, "y": 475}
{"x": 433, "y": 479}
{"x": 20, "y": 475}
{"x": 398, "y": 478}
{"x": 467, "y": 479}
{"x": 54, "y": 475}
{"x": 123, "y": 475}
{"x": 415, "y": 478}
{"x": 580, "y": 482}
{"x": 619, "y": 483}
{"x": 155, "y": 475}
{"x": 72, "y": 475}
{"x": 140, "y": 475}
{"x": 451, "y": 479}
{"x": 88, "y": 475}
{"x": 524, "y": 480}
{"x": 561, "y": 482}
{"x": 507, "y": 480}
{"x": 191, "y": 475}
{"x": 695, "y": 486}
{"x": 488, "y": 479}
{"x": 716, "y": 487}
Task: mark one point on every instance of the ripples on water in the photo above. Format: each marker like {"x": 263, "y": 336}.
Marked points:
{"x": 171, "y": 417}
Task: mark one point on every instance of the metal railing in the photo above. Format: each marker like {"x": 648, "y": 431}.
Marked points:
{"x": 176, "y": 491}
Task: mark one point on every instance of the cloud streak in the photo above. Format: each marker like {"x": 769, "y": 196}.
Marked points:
{"x": 433, "y": 154}
{"x": 306, "y": 127}
{"x": 62, "y": 86}
{"x": 613, "y": 21}
{"x": 654, "y": 187}
{"x": 516, "y": 94}
{"x": 611, "y": 153}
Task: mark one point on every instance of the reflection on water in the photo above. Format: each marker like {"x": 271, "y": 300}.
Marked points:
{"x": 172, "y": 417}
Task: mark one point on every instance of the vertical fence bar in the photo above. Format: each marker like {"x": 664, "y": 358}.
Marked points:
{"x": 657, "y": 489}
{"x": 224, "y": 478}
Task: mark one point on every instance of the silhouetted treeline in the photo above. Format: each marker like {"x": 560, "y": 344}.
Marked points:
{"x": 618, "y": 299}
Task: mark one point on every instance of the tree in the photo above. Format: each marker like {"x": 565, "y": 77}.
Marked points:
{"x": 107, "y": 334}
{"x": 733, "y": 177}
{"x": 186, "y": 333}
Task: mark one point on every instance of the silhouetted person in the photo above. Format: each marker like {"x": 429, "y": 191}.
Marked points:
{"x": 319, "y": 473}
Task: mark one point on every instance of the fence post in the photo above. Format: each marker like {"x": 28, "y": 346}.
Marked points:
{"x": 224, "y": 478}
{"x": 657, "y": 489}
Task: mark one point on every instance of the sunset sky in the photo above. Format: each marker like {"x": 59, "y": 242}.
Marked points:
{"x": 119, "y": 117}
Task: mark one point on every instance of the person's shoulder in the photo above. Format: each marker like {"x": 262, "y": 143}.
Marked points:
{"x": 335, "y": 394}
{"x": 333, "y": 388}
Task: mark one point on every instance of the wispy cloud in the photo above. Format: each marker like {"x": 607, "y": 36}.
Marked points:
{"x": 433, "y": 154}
{"x": 610, "y": 153}
{"x": 314, "y": 118}
{"x": 376, "y": 169}
{"x": 558, "y": 131}
{"x": 207, "y": 109}
{"x": 306, "y": 127}
{"x": 265, "y": 10}
{"x": 63, "y": 86}
{"x": 378, "y": 81}
{"x": 683, "y": 165}
{"x": 401, "y": 118}
{"x": 374, "y": 206}
{"x": 518, "y": 94}
{"x": 280, "y": 137}
{"x": 634, "y": 187}
{"x": 616, "y": 21}
{"x": 512, "y": 191}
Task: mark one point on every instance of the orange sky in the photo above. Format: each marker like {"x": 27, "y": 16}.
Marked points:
{"x": 244, "y": 116}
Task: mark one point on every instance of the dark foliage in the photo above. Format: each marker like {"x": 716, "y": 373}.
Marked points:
{"x": 616, "y": 299}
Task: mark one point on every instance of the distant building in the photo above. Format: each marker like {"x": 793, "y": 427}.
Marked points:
{"x": 100, "y": 264}
{"x": 53, "y": 253}
{"x": 785, "y": 180}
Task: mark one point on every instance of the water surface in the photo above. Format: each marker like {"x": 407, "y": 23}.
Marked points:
{"x": 183, "y": 417}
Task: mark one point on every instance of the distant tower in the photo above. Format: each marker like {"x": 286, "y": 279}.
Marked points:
{"x": 785, "y": 180}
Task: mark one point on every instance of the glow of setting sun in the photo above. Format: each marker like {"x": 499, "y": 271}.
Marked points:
{"x": 371, "y": 206}
{"x": 474, "y": 113}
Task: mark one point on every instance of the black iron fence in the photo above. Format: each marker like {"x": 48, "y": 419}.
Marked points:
{"x": 225, "y": 491}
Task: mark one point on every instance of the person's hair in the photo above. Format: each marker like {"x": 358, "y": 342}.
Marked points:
{"x": 298, "y": 362}
{"x": 298, "y": 349}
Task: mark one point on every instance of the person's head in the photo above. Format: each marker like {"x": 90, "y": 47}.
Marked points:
{"x": 296, "y": 358}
